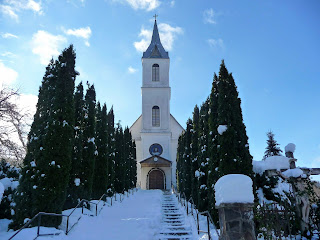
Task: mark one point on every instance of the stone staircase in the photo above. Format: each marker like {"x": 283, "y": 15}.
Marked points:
{"x": 173, "y": 225}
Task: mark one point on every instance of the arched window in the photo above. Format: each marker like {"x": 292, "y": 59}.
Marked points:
{"x": 155, "y": 73}
{"x": 155, "y": 116}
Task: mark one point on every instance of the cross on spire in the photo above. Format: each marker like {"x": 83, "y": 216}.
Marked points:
{"x": 155, "y": 17}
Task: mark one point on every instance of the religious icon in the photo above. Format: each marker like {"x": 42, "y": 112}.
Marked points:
{"x": 155, "y": 149}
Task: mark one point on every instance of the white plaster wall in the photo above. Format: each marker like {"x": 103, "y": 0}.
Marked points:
{"x": 163, "y": 72}
{"x": 163, "y": 139}
{"x": 144, "y": 174}
{"x": 155, "y": 97}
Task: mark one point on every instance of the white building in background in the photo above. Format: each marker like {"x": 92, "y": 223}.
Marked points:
{"x": 156, "y": 131}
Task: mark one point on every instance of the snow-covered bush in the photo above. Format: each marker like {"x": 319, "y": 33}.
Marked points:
{"x": 9, "y": 177}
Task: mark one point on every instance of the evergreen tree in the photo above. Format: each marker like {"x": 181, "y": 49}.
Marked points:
{"x": 75, "y": 183}
{"x": 203, "y": 157}
{"x": 126, "y": 158}
{"x": 233, "y": 153}
{"x": 187, "y": 160}
{"x": 111, "y": 151}
{"x": 180, "y": 163}
{"x": 272, "y": 148}
{"x": 89, "y": 147}
{"x": 101, "y": 166}
{"x": 133, "y": 171}
{"x": 47, "y": 164}
{"x": 118, "y": 169}
{"x": 194, "y": 155}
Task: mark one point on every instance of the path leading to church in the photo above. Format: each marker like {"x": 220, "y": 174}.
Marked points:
{"x": 145, "y": 215}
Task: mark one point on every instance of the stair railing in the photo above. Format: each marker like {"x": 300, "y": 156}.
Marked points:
{"x": 80, "y": 204}
{"x": 182, "y": 199}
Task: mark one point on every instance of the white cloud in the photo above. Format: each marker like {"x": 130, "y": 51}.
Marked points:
{"x": 46, "y": 45}
{"x": 9, "y": 35}
{"x": 7, "y": 75}
{"x": 9, "y": 11}
{"x": 147, "y": 5}
{"x": 132, "y": 70}
{"x": 208, "y": 16}
{"x": 167, "y": 35}
{"x": 12, "y": 7}
{"x": 8, "y": 54}
{"x": 172, "y": 3}
{"x": 84, "y": 33}
{"x": 27, "y": 103}
{"x": 216, "y": 43}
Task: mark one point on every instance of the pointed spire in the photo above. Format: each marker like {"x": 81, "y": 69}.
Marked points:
{"x": 155, "y": 49}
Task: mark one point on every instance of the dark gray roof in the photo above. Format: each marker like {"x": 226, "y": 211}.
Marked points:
{"x": 155, "y": 49}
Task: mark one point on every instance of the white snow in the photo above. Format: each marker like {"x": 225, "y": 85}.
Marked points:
{"x": 33, "y": 163}
{"x": 274, "y": 162}
{"x": 222, "y": 128}
{"x": 53, "y": 163}
{"x": 91, "y": 140}
{"x": 296, "y": 172}
{"x": 1, "y": 191}
{"x": 291, "y": 147}
{"x": 137, "y": 217}
{"x": 77, "y": 181}
{"x": 6, "y": 183}
{"x": 234, "y": 188}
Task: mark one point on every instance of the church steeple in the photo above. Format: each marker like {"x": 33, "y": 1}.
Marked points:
{"x": 155, "y": 49}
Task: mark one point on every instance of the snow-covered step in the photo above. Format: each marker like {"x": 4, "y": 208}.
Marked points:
{"x": 173, "y": 221}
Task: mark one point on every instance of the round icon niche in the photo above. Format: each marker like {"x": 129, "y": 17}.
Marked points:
{"x": 155, "y": 149}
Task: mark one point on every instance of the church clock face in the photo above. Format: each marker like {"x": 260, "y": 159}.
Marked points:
{"x": 155, "y": 149}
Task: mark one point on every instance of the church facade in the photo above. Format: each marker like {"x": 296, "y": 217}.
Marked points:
{"x": 156, "y": 131}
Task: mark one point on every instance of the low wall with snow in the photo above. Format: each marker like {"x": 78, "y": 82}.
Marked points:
{"x": 234, "y": 201}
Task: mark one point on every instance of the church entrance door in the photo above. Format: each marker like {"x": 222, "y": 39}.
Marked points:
{"x": 156, "y": 180}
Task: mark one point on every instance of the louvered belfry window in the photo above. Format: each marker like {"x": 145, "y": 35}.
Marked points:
{"x": 155, "y": 73}
{"x": 155, "y": 116}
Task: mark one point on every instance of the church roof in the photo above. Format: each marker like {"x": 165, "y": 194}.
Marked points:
{"x": 155, "y": 49}
{"x": 155, "y": 161}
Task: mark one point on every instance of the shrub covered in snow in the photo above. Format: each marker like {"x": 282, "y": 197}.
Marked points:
{"x": 9, "y": 177}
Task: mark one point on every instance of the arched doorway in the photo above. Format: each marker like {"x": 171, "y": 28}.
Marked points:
{"x": 156, "y": 179}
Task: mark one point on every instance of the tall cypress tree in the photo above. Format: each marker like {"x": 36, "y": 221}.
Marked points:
{"x": 187, "y": 159}
{"x": 75, "y": 182}
{"x": 118, "y": 168}
{"x": 272, "y": 148}
{"x": 47, "y": 164}
{"x": 89, "y": 146}
{"x": 101, "y": 165}
{"x": 233, "y": 154}
{"x": 194, "y": 155}
{"x": 111, "y": 151}
{"x": 180, "y": 163}
{"x": 203, "y": 157}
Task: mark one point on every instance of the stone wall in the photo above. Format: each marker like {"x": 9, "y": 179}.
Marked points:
{"x": 236, "y": 221}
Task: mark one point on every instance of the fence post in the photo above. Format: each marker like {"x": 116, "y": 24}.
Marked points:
{"x": 198, "y": 223}
{"x": 96, "y": 209}
{"x": 39, "y": 222}
{"x": 208, "y": 228}
{"x": 187, "y": 208}
{"x": 67, "y": 229}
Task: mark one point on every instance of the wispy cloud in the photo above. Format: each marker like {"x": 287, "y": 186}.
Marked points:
{"x": 216, "y": 43}
{"x": 168, "y": 35}
{"x": 9, "y": 35}
{"x": 147, "y": 5}
{"x": 132, "y": 70}
{"x": 172, "y": 3}
{"x": 12, "y": 7}
{"x": 46, "y": 45}
{"x": 7, "y": 75}
{"x": 8, "y": 54}
{"x": 84, "y": 33}
{"x": 9, "y": 11}
{"x": 209, "y": 16}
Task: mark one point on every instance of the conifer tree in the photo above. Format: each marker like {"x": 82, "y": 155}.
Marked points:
{"x": 75, "y": 183}
{"x": 127, "y": 158}
{"x": 187, "y": 160}
{"x": 133, "y": 171}
{"x": 101, "y": 165}
{"x": 89, "y": 147}
{"x": 47, "y": 164}
{"x": 272, "y": 148}
{"x": 180, "y": 164}
{"x": 194, "y": 155}
{"x": 203, "y": 157}
{"x": 118, "y": 183}
{"x": 111, "y": 151}
{"x": 233, "y": 153}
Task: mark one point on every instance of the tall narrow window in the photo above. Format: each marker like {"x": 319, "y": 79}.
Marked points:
{"x": 155, "y": 73}
{"x": 155, "y": 116}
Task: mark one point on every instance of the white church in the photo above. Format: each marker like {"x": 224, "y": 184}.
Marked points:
{"x": 156, "y": 131}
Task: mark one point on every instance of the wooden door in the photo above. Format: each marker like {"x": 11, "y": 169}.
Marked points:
{"x": 156, "y": 180}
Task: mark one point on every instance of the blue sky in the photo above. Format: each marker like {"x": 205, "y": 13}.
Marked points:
{"x": 272, "y": 48}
